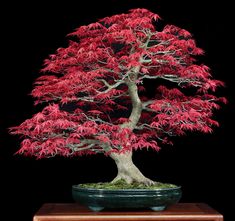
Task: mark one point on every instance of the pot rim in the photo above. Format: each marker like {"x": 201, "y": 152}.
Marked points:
{"x": 76, "y": 187}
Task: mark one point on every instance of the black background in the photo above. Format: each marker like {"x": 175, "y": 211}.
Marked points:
{"x": 201, "y": 164}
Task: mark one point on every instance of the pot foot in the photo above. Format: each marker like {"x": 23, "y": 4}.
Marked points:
{"x": 158, "y": 208}
{"x": 96, "y": 208}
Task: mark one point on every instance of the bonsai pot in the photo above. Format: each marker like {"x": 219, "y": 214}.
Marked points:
{"x": 98, "y": 199}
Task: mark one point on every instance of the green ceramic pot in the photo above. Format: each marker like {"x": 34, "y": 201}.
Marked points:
{"x": 98, "y": 199}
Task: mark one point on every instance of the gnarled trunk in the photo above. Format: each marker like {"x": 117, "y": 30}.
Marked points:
{"x": 127, "y": 170}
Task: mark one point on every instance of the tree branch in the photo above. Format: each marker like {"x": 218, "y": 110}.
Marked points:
{"x": 92, "y": 143}
{"x": 75, "y": 147}
{"x": 146, "y": 103}
{"x": 110, "y": 87}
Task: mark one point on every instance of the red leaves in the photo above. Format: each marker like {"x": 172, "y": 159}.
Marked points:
{"x": 171, "y": 29}
{"x": 122, "y": 120}
{"x": 133, "y": 64}
{"x": 95, "y": 25}
{"x": 93, "y": 75}
{"x": 39, "y": 117}
{"x": 103, "y": 138}
{"x": 144, "y": 70}
{"x": 95, "y": 112}
{"x": 176, "y": 113}
{"x": 142, "y": 143}
{"x": 142, "y": 12}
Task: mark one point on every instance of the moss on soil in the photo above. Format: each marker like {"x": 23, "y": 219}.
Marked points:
{"x": 123, "y": 185}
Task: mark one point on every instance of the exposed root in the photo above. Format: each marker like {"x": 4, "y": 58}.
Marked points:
{"x": 128, "y": 179}
{"x": 128, "y": 172}
{"x": 116, "y": 179}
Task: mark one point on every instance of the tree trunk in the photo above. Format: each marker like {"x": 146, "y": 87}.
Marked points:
{"x": 127, "y": 170}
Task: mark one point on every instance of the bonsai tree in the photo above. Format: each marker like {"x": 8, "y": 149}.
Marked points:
{"x": 94, "y": 98}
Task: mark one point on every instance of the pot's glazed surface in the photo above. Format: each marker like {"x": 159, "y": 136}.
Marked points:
{"x": 98, "y": 199}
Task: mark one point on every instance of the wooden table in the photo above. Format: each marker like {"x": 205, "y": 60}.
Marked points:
{"x": 76, "y": 212}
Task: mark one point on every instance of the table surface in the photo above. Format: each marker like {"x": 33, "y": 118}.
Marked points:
{"x": 180, "y": 212}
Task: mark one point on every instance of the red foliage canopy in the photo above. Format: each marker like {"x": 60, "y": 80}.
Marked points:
{"x": 102, "y": 72}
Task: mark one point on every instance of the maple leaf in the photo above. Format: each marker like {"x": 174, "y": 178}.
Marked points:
{"x": 94, "y": 90}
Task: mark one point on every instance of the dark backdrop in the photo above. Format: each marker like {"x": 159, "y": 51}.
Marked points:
{"x": 201, "y": 164}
